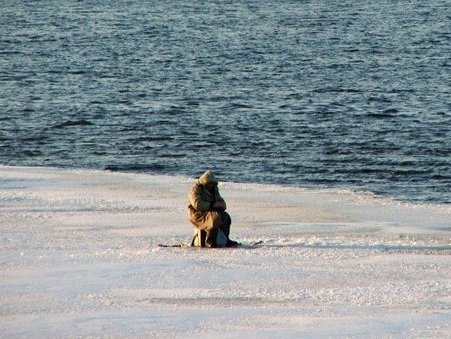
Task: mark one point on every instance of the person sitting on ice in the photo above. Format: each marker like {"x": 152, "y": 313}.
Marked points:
{"x": 206, "y": 211}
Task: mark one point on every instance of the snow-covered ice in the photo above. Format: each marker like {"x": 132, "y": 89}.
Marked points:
{"x": 79, "y": 258}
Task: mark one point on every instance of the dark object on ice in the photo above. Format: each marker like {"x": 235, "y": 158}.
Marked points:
{"x": 200, "y": 237}
{"x": 232, "y": 245}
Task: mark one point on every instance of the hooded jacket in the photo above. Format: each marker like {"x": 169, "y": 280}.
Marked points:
{"x": 201, "y": 200}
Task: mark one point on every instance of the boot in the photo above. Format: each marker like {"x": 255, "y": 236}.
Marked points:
{"x": 210, "y": 240}
{"x": 231, "y": 243}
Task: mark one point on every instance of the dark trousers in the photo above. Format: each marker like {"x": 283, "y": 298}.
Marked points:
{"x": 222, "y": 221}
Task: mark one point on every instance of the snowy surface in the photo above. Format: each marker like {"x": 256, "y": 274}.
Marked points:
{"x": 79, "y": 258}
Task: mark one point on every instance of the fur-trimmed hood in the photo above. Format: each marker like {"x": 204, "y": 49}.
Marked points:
{"x": 207, "y": 177}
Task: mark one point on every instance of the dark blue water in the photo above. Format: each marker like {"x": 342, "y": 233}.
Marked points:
{"x": 351, "y": 93}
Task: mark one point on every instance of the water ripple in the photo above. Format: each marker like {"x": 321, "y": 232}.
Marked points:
{"x": 348, "y": 94}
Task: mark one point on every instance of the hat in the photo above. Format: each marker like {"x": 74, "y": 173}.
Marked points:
{"x": 208, "y": 177}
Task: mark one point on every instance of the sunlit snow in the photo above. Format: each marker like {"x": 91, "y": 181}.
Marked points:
{"x": 79, "y": 256}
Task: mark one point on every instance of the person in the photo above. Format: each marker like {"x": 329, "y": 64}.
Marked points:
{"x": 207, "y": 210}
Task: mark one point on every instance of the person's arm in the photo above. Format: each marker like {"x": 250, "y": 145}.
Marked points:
{"x": 195, "y": 200}
{"x": 220, "y": 202}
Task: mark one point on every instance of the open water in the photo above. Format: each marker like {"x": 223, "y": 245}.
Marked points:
{"x": 348, "y": 94}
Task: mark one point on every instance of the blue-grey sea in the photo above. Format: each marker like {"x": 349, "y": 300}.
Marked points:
{"x": 352, "y": 94}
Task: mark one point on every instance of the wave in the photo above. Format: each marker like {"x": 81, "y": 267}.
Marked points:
{"x": 72, "y": 123}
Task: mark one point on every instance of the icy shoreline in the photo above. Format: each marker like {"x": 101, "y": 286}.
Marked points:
{"x": 79, "y": 257}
